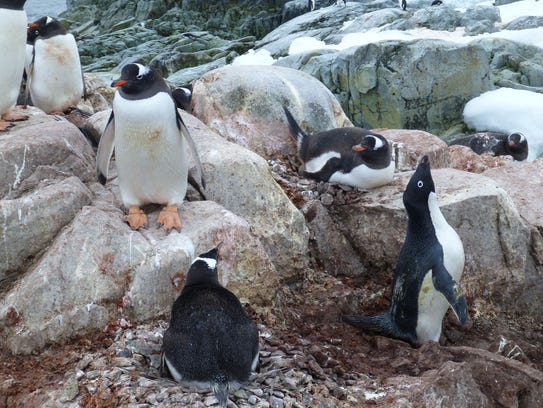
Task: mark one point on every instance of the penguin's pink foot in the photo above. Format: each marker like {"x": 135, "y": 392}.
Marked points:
{"x": 169, "y": 218}
{"x": 136, "y": 218}
{"x": 14, "y": 117}
{"x": 5, "y": 125}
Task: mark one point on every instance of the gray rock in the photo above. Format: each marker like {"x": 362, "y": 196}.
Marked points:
{"x": 523, "y": 23}
{"x": 494, "y": 235}
{"x": 401, "y": 85}
{"x": 241, "y": 181}
{"x": 480, "y": 19}
{"x": 32, "y": 221}
{"x": 244, "y": 104}
{"x": 437, "y": 18}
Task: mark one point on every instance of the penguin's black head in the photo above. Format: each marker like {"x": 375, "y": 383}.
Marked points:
{"x": 139, "y": 79}
{"x": 203, "y": 269}
{"x": 45, "y": 27}
{"x": 419, "y": 188}
{"x": 371, "y": 142}
{"x": 517, "y": 145}
{"x": 182, "y": 96}
{"x": 12, "y": 4}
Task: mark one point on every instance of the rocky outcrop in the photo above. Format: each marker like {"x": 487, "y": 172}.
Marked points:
{"x": 239, "y": 104}
{"x": 397, "y": 84}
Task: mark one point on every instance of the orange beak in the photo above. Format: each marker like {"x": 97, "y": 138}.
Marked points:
{"x": 359, "y": 148}
{"x": 119, "y": 82}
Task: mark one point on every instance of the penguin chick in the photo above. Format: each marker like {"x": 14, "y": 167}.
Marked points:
{"x": 12, "y": 45}
{"x": 496, "y": 144}
{"x": 211, "y": 342}
{"x": 425, "y": 279}
{"x": 150, "y": 142}
{"x": 351, "y": 155}
{"x": 54, "y": 76}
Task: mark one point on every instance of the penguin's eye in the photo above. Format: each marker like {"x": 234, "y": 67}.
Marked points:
{"x": 37, "y": 32}
{"x": 420, "y": 184}
{"x": 139, "y": 76}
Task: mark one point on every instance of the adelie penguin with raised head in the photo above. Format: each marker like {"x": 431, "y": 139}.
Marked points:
{"x": 12, "y": 58}
{"x": 351, "y": 155}
{"x": 150, "y": 141}
{"x": 429, "y": 268}
{"x": 211, "y": 342}
{"x": 54, "y": 77}
{"x": 496, "y": 144}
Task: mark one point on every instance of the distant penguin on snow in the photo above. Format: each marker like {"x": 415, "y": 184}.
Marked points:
{"x": 211, "y": 342}
{"x": 351, "y": 155}
{"x": 427, "y": 273}
{"x": 496, "y": 144}
{"x": 13, "y": 23}
{"x": 150, "y": 141}
{"x": 54, "y": 75}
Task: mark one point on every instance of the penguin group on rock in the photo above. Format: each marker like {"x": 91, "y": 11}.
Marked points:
{"x": 211, "y": 341}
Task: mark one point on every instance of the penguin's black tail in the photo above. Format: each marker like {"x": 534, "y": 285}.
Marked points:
{"x": 219, "y": 385}
{"x": 380, "y": 324}
{"x": 295, "y": 128}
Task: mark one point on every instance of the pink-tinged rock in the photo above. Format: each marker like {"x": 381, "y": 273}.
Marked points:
{"x": 411, "y": 145}
{"x": 463, "y": 158}
{"x": 244, "y": 104}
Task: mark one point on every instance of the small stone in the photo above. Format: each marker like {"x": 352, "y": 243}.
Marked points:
{"x": 258, "y": 392}
{"x": 253, "y": 399}
{"x": 327, "y": 199}
{"x": 70, "y": 390}
{"x": 276, "y": 402}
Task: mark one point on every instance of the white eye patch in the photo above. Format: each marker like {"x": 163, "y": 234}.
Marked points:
{"x": 211, "y": 263}
{"x": 142, "y": 69}
{"x": 49, "y": 20}
{"x": 378, "y": 142}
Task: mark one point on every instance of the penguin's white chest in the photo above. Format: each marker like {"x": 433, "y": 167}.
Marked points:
{"x": 363, "y": 176}
{"x": 56, "y": 82}
{"x": 150, "y": 153}
{"x": 432, "y": 304}
{"x": 12, "y": 46}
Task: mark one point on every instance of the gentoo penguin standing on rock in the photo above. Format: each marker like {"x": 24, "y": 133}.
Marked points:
{"x": 182, "y": 96}
{"x": 12, "y": 57}
{"x": 351, "y": 155}
{"x": 430, "y": 265}
{"x": 211, "y": 341}
{"x": 150, "y": 142}
{"x": 496, "y": 144}
{"x": 54, "y": 76}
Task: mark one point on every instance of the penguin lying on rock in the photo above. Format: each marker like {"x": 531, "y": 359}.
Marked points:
{"x": 425, "y": 279}
{"x": 351, "y": 155}
{"x": 211, "y": 342}
{"x": 496, "y": 144}
{"x": 53, "y": 70}
{"x": 12, "y": 45}
{"x": 150, "y": 141}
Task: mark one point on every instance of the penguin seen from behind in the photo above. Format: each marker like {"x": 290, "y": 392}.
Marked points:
{"x": 211, "y": 342}
{"x": 429, "y": 268}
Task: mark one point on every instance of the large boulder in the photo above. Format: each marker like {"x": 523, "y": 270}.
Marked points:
{"x": 244, "y": 104}
{"x": 495, "y": 238}
{"x": 402, "y": 85}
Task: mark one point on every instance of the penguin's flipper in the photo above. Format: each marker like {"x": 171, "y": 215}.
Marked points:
{"x": 192, "y": 147}
{"x": 333, "y": 165}
{"x": 444, "y": 283}
{"x": 295, "y": 129}
{"x": 163, "y": 368}
{"x": 105, "y": 150}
